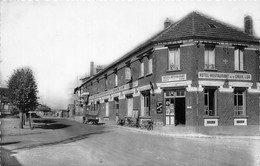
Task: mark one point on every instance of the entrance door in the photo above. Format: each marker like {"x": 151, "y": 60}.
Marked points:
{"x": 129, "y": 107}
{"x": 169, "y": 111}
{"x": 175, "y": 107}
{"x": 117, "y": 109}
{"x": 180, "y": 111}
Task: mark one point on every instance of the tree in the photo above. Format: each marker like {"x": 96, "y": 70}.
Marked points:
{"x": 23, "y": 92}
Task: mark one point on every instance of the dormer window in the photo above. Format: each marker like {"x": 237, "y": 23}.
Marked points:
{"x": 212, "y": 25}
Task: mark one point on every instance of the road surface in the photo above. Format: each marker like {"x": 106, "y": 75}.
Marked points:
{"x": 102, "y": 145}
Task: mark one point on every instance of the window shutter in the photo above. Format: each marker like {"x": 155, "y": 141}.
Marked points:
{"x": 236, "y": 59}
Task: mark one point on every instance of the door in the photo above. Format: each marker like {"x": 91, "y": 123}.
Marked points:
{"x": 180, "y": 116}
{"x": 169, "y": 111}
{"x": 117, "y": 109}
{"x": 107, "y": 109}
{"x": 129, "y": 107}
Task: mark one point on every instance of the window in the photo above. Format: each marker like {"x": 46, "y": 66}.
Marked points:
{"x": 209, "y": 57}
{"x": 150, "y": 65}
{"x": 141, "y": 69}
{"x": 210, "y": 102}
{"x": 106, "y": 83}
{"x": 174, "y": 59}
{"x": 116, "y": 79}
{"x": 128, "y": 75}
{"x": 239, "y": 59}
{"x": 239, "y": 102}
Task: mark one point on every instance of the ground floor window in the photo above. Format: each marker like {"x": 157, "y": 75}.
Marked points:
{"x": 107, "y": 109}
{"x": 239, "y": 102}
{"x": 210, "y": 102}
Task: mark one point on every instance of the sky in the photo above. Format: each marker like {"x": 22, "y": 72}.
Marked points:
{"x": 58, "y": 39}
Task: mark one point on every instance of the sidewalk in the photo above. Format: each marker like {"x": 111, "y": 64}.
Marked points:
{"x": 220, "y": 132}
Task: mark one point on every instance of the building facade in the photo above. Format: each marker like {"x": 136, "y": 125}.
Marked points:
{"x": 196, "y": 72}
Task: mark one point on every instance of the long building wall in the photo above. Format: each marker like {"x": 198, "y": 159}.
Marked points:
{"x": 187, "y": 79}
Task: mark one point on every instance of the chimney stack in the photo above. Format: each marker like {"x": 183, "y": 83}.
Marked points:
{"x": 91, "y": 68}
{"x": 167, "y": 23}
{"x": 248, "y": 25}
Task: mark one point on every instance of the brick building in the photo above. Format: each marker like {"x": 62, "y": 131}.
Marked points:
{"x": 197, "y": 71}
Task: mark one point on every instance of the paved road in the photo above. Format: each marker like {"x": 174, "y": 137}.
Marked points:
{"x": 101, "y": 145}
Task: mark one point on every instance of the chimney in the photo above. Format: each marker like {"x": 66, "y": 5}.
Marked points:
{"x": 248, "y": 25}
{"x": 98, "y": 69}
{"x": 167, "y": 23}
{"x": 91, "y": 69}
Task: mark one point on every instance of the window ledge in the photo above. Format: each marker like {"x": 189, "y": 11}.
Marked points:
{"x": 145, "y": 117}
{"x": 210, "y": 117}
{"x": 173, "y": 70}
{"x": 106, "y": 117}
{"x": 116, "y": 86}
{"x": 240, "y": 71}
{"x": 240, "y": 116}
{"x": 140, "y": 77}
{"x": 148, "y": 74}
{"x": 210, "y": 69}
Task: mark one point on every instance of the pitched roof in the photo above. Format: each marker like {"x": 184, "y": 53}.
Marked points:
{"x": 198, "y": 26}
{"x": 193, "y": 26}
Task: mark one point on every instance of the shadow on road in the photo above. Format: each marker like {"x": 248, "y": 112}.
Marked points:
{"x": 44, "y": 121}
{"x": 52, "y": 126}
{"x": 9, "y": 143}
{"x": 7, "y": 158}
{"x": 64, "y": 141}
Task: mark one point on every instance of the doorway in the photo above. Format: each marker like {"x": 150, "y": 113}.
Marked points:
{"x": 175, "y": 107}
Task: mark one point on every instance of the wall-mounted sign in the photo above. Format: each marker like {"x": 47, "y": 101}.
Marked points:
{"x": 229, "y": 76}
{"x": 159, "y": 107}
{"x": 170, "y": 78}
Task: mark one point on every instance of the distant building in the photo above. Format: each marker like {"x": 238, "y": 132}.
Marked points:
{"x": 196, "y": 72}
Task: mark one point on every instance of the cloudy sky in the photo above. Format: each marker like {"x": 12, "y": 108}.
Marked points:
{"x": 58, "y": 39}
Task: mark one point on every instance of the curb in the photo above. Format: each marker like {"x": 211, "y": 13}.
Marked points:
{"x": 154, "y": 132}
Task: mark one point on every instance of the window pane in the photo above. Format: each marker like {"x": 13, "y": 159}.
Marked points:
{"x": 177, "y": 58}
{"x": 150, "y": 65}
{"x": 236, "y": 59}
{"x": 241, "y": 60}
{"x": 206, "y": 58}
{"x": 171, "y": 60}
{"x": 142, "y": 69}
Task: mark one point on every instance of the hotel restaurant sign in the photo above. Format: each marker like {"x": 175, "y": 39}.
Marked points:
{"x": 177, "y": 77}
{"x": 115, "y": 90}
{"x": 228, "y": 76}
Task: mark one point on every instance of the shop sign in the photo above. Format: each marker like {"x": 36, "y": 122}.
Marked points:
{"x": 170, "y": 78}
{"x": 115, "y": 90}
{"x": 159, "y": 107}
{"x": 228, "y": 76}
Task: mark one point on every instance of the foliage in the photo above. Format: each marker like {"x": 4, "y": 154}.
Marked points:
{"x": 43, "y": 108}
{"x": 14, "y": 110}
{"x": 23, "y": 90}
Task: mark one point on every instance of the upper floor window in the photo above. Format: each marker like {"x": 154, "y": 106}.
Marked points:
{"x": 239, "y": 102}
{"x": 106, "y": 82}
{"x": 150, "y": 65}
{"x": 239, "y": 59}
{"x": 209, "y": 58}
{"x": 116, "y": 79}
{"x": 128, "y": 75}
{"x": 174, "y": 59}
{"x": 141, "y": 69}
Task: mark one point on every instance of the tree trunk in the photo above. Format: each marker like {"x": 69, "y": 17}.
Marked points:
{"x": 21, "y": 120}
{"x": 24, "y": 117}
{"x": 30, "y": 121}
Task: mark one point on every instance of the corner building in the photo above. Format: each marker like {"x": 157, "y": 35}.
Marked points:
{"x": 196, "y": 72}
